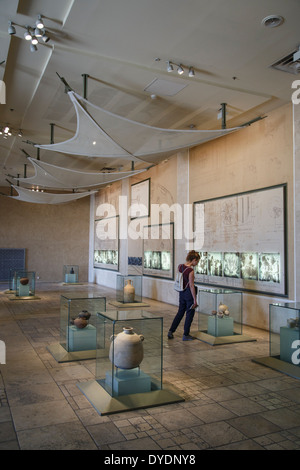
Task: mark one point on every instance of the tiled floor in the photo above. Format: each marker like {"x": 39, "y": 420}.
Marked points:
{"x": 230, "y": 401}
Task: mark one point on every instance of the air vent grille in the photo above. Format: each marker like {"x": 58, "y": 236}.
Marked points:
{"x": 288, "y": 64}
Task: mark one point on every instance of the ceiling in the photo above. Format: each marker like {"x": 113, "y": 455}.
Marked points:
{"x": 119, "y": 48}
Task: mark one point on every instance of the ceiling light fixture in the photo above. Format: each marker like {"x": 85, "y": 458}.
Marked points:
{"x": 32, "y": 34}
{"x": 180, "y": 68}
{"x": 11, "y": 28}
{"x": 7, "y": 131}
{"x": 27, "y": 34}
{"x": 39, "y": 22}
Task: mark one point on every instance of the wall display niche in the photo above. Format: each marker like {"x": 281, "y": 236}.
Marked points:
{"x": 158, "y": 251}
{"x": 242, "y": 241}
{"x": 106, "y": 243}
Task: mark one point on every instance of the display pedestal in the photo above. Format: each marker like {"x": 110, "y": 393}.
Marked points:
{"x": 128, "y": 305}
{"x": 60, "y": 354}
{"x": 70, "y": 278}
{"x": 128, "y": 381}
{"x": 23, "y": 291}
{"x": 82, "y": 339}
{"x": 220, "y": 326}
{"x": 105, "y": 404}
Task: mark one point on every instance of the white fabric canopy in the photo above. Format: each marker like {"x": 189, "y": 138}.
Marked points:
{"x": 52, "y": 176}
{"x": 101, "y": 133}
{"x": 38, "y": 197}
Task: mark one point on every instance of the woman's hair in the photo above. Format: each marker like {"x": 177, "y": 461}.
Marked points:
{"x": 192, "y": 255}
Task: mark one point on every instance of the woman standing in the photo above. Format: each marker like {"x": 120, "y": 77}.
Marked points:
{"x": 187, "y": 297}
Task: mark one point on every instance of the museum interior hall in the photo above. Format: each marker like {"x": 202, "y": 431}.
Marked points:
{"x": 138, "y": 139}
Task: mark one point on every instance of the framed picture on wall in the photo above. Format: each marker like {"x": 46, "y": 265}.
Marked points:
{"x": 140, "y": 199}
{"x": 243, "y": 241}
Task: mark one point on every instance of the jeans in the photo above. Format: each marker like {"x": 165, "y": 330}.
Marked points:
{"x": 185, "y": 303}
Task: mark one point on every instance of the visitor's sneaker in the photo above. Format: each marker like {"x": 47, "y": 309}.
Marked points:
{"x": 170, "y": 335}
{"x": 187, "y": 338}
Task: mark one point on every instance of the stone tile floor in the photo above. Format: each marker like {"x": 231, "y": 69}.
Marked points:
{"x": 231, "y": 403}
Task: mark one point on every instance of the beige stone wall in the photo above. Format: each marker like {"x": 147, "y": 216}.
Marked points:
{"x": 256, "y": 157}
{"x": 53, "y": 235}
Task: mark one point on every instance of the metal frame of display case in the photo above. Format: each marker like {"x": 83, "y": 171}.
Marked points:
{"x": 121, "y": 388}
{"x": 217, "y": 330}
{"x": 284, "y": 339}
{"x": 73, "y": 341}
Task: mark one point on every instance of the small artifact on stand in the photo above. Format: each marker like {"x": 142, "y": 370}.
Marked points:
{"x": 126, "y": 350}
{"x": 129, "y": 292}
{"x": 222, "y": 311}
{"x": 24, "y": 281}
{"x": 82, "y": 320}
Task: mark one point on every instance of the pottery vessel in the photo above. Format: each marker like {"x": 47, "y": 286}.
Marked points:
{"x": 126, "y": 350}
{"x": 82, "y": 319}
{"x": 291, "y": 322}
{"x": 24, "y": 281}
{"x": 129, "y": 292}
{"x": 223, "y": 310}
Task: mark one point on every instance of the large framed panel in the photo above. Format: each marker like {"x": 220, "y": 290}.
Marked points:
{"x": 158, "y": 251}
{"x": 242, "y": 241}
{"x": 106, "y": 243}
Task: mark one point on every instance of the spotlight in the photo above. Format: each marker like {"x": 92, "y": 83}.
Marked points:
{"x": 11, "y": 28}
{"x": 33, "y": 47}
{"x": 39, "y": 22}
{"x": 170, "y": 67}
{"x": 180, "y": 70}
{"x": 27, "y": 34}
{"x": 38, "y": 32}
{"x": 191, "y": 72}
{"x": 45, "y": 38}
{"x": 34, "y": 40}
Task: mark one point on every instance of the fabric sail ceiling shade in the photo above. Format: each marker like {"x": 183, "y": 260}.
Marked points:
{"x": 101, "y": 133}
{"x": 52, "y": 176}
{"x": 38, "y": 197}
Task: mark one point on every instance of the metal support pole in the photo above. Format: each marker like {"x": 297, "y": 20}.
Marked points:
{"x": 38, "y": 153}
{"x": 223, "y": 115}
{"x": 85, "y": 77}
{"x": 25, "y": 170}
{"x": 52, "y": 133}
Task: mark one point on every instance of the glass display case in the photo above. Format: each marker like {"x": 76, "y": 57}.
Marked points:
{"x": 24, "y": 283}
{"x": 129, "y": 289}
{"x": 78, "y": 321}
{"x": 78, "y": 333}
{"x": 220, "y": 312}
{"x": 71, "y": 274}
{"x": 129, "y": 353}
{"x": 129, "y": 362}
{"x": 220, "y": 316}
{"x": 284, "y": 336}
{"x": 285, "y": 332}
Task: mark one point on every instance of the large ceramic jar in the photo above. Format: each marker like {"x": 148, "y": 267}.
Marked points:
{"x": 129, "y": 292}
{"x": 126, "y": 350}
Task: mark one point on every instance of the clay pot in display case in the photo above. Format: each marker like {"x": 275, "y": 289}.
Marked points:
{"x": 126, "y": 350}
{"x": 24, "y": 281}
{"x": 129, "y": 292}
{"x": 82, "y": 320}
